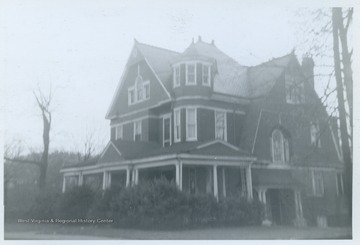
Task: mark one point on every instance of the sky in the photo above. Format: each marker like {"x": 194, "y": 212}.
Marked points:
{"x": 79, "y": 50}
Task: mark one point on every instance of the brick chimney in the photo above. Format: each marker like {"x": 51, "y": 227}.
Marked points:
{"x": 308, "y": 69}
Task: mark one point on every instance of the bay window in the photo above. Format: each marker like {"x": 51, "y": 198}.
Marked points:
{"x": 191, "y": 130}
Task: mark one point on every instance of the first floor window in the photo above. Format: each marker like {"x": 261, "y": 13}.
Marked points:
{"x": 220, "y": 125}
{"x": 137, "y": 130}
{"x": 119, "y": 132}
{"x": 177, "y": 125}
{"x": 318, "y": 183}
{"x": 339, "y": 184}
{"x": 191, "y": 132}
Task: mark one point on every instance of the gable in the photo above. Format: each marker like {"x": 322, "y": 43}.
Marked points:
{"x": 110, "y": 154}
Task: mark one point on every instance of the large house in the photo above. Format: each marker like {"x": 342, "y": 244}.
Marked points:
{"x": 210, "y": 125}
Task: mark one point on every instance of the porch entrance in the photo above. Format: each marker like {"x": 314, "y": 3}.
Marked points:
{"x": 282, "y": 206}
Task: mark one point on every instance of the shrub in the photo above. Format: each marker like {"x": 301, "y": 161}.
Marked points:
{"x": 76, "y": 202}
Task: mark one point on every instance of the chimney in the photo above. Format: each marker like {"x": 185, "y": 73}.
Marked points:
{"x": 308, "y": 69}
{"x": 199, "y": 40}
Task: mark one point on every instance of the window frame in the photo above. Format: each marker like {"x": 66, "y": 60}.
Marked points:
{"x": 208, "y": 83}
{"x": 340, "y": 190}
{"x": 167, "y": 116}
{"x": 146, "y": 84}
{"x": 315, "y": 134}
{"x": 187, "y": 74}
{"x": 134, "y": 126}
{"x": 187, "y": 124}
{"x": 285, "y": 147}
{"x": 119, "y": 128}
{"x": 131, "y": 90}
{"x": 175, "y": 78}
{"x": 317, "y": 174}
{"x": 225, "y": 124}
{"x": 177, "y": 136}
{"x": 294, "y": 90}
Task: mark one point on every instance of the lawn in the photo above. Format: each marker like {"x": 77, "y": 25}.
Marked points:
{"x": 16, "y": 231}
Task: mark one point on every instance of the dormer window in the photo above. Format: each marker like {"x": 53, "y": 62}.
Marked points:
{"x": 191, "y": 74}
{"x": 294, "y": 90}
{"x": 280, "y": 147}
{"x": 206, "y": 75}
{"x": 139, "y": 92}
{"x": 176, "y": 76}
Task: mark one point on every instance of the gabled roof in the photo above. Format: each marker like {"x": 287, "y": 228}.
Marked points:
{"x": 264, "y": 76}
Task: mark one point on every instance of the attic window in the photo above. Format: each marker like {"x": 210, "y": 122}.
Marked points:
{"x": 206, "y": 75}
{"x": 294, "y": 90}
{"x": 139, "y": 92}
{"x": 191, "y": 74}
{"x": 220, "y": 125}
{"x": 315, "y": 134}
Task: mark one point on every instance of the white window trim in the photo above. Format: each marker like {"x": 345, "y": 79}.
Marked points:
{"x": 147, "y": 82}
{"x": 282, "y": 147}
{"x": 225, "y": 122}
{"x": 177, "y": 138}
{"x": 208, "y": 83}
{"x": 117, "y": 128}
{"x": 134, "y": 128}
{"x": 167, "y": 116}
{"x": 174, "y": 76}
{"x": 316, "y": 126}
{"x": 313, "y": 184}
{"x": 341, "y": 183}
{"x": 132, "y": 88}
{"x": 186, "y": 75}
{"x": 187, "y": 122}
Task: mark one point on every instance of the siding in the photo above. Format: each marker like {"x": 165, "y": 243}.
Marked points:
{"x": 206, "y": 124}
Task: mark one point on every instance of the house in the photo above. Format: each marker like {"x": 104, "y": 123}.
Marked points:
{"x": 211, "y": 125}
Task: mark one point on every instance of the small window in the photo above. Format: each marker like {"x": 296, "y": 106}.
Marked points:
{"x": 220, "y": 125}
{"x": 280, "y": 147}
{"x": 177, "y": 125}
{"x": 191, "y": 74}
{"x": 139, "y": 88}
{"x": 294, "y": 90}
{"x": 340, "y": 184}
{"x": 131, "y": 96}
{"x": 315, "y": 134}
{"x": 166, "y": 131}
{"x": 137, "y": 130}
{"x": 191, "y": 131}
{"x": 318, "y": 183}
{"x": 147, "y": 90}
{"x": 119, "y": 132}
{"x": 176, "y": 76}
{"x": 206, "y": 75}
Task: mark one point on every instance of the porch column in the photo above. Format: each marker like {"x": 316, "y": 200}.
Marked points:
{"x": 181, "y": 175}
{"x": 262, "y": 198}
{"x": 215, "y": 182}
{"x": 127, "y": 177}
{"x": 249, "y": 183}
{"x": 105, "y": 179}
{"x": 299, "y": 221}
{"x": 81, "y": 179}
{"x": 178, "y": 175}
{"x": 64, "y": 184}
{"x": 223, "y": 182}
{"x": 136, "y": 176}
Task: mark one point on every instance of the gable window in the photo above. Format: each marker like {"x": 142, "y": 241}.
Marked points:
{"x": 167, "y": 131}
{"x": 190, "y": 74}
{"x": 220, "y": 125}
{"x": 191, "y": 131}
{"x": 131, "y": 96}
{"x": 139, "y": 92}
{"x": 139, "y": 89}
{"x": 176, "y": 76}
{"x": 206, "y": 75}
{"x": 339, "y": 184}
{"x": 280, "y": 147}
{"x": 315, "y": 134}
{"x": 137, "y": 130}
{"x": 147, "y": 90}
{"x": 177, "y": 125}
{"x": 317, "y": 183}
{"x": 119, "y": 132}
{"x": 294, "y": 90}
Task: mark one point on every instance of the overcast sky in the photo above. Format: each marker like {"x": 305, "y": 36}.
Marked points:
{"x": 79, "y": 48}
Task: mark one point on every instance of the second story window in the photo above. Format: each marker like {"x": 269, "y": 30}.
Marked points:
{"x": 119, "y": 132}
{"x": 317, "y": 183}
{"x": 339, "y": 184}
{"x": 176, "y": 76}
{"x": 191, "y": 74}
{"x": 137, "y": 130}
{"x": 191, "y": 130}
{"x": 220, "y": 125}
{"x": 315, "y": 134}
{"x": 206, "y": 75}
{"x": 280, "y": 147}
{"x": 177, "y": 125}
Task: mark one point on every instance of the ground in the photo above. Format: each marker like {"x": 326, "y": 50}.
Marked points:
{"x": 17, "y": 231}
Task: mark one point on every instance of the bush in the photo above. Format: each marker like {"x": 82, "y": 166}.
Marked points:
{"x": 76, "y": 202}
{"x": 46, "y": 204}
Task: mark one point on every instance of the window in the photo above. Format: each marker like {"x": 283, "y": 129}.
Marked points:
{"x": 294, "y": 90}
{"x": 339, "y": 184}
{"x": 139, "y": 89}
{"x": 315, "y": 134}
{"x": 139, "y": 92}
{"x": 190, "y": 74}
{"x": 220, "y": 125}
{"x": 280, "y": 147}
{"x": 177, "y": 125}
{"x": 318, "y": 183}
{"x": 137, "y": 130}
{"x": 176, "y": 76}
{"x": 167, "y": 131}
{"x": 206, "y": 75}
{"x": 146, "y": 90}
{"x": 119, "y": 132}
{"x": 191, "y": 131}
{"x": 131, "y": 96}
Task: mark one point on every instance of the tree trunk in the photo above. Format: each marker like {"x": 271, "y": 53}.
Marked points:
{"x": 45, "y": 156}
{"x": 342, "y": 112}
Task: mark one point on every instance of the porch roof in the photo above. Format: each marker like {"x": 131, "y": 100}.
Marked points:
{"x": 274, "y": 178}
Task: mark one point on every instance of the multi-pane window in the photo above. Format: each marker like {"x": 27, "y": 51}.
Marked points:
{"x": 119, "y": 132}
{"x": 318, "y": 183}
{"x": 315, "y": 134}
{"x": 339, "y": 184}
{"x": 146, "y": 90}
{"x": 280, "y": 147}
{"x": 206, "y": 75}
{"x": 176, "y": 76}
{"x": 220, "y": 125}
{"x": 191, "y": 132}
{"x": 139, "y": 92}
{"x": 191, "y": 74}
{"x": 177, "y": 125}
{"x": 131, "y": 96}
{"x": 137, "y": 130}
{"x": 294, "y": 90}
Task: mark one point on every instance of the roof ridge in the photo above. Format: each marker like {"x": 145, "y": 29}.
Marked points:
{"x": 153, "y": 46}
{"x": 272, "y": 60}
